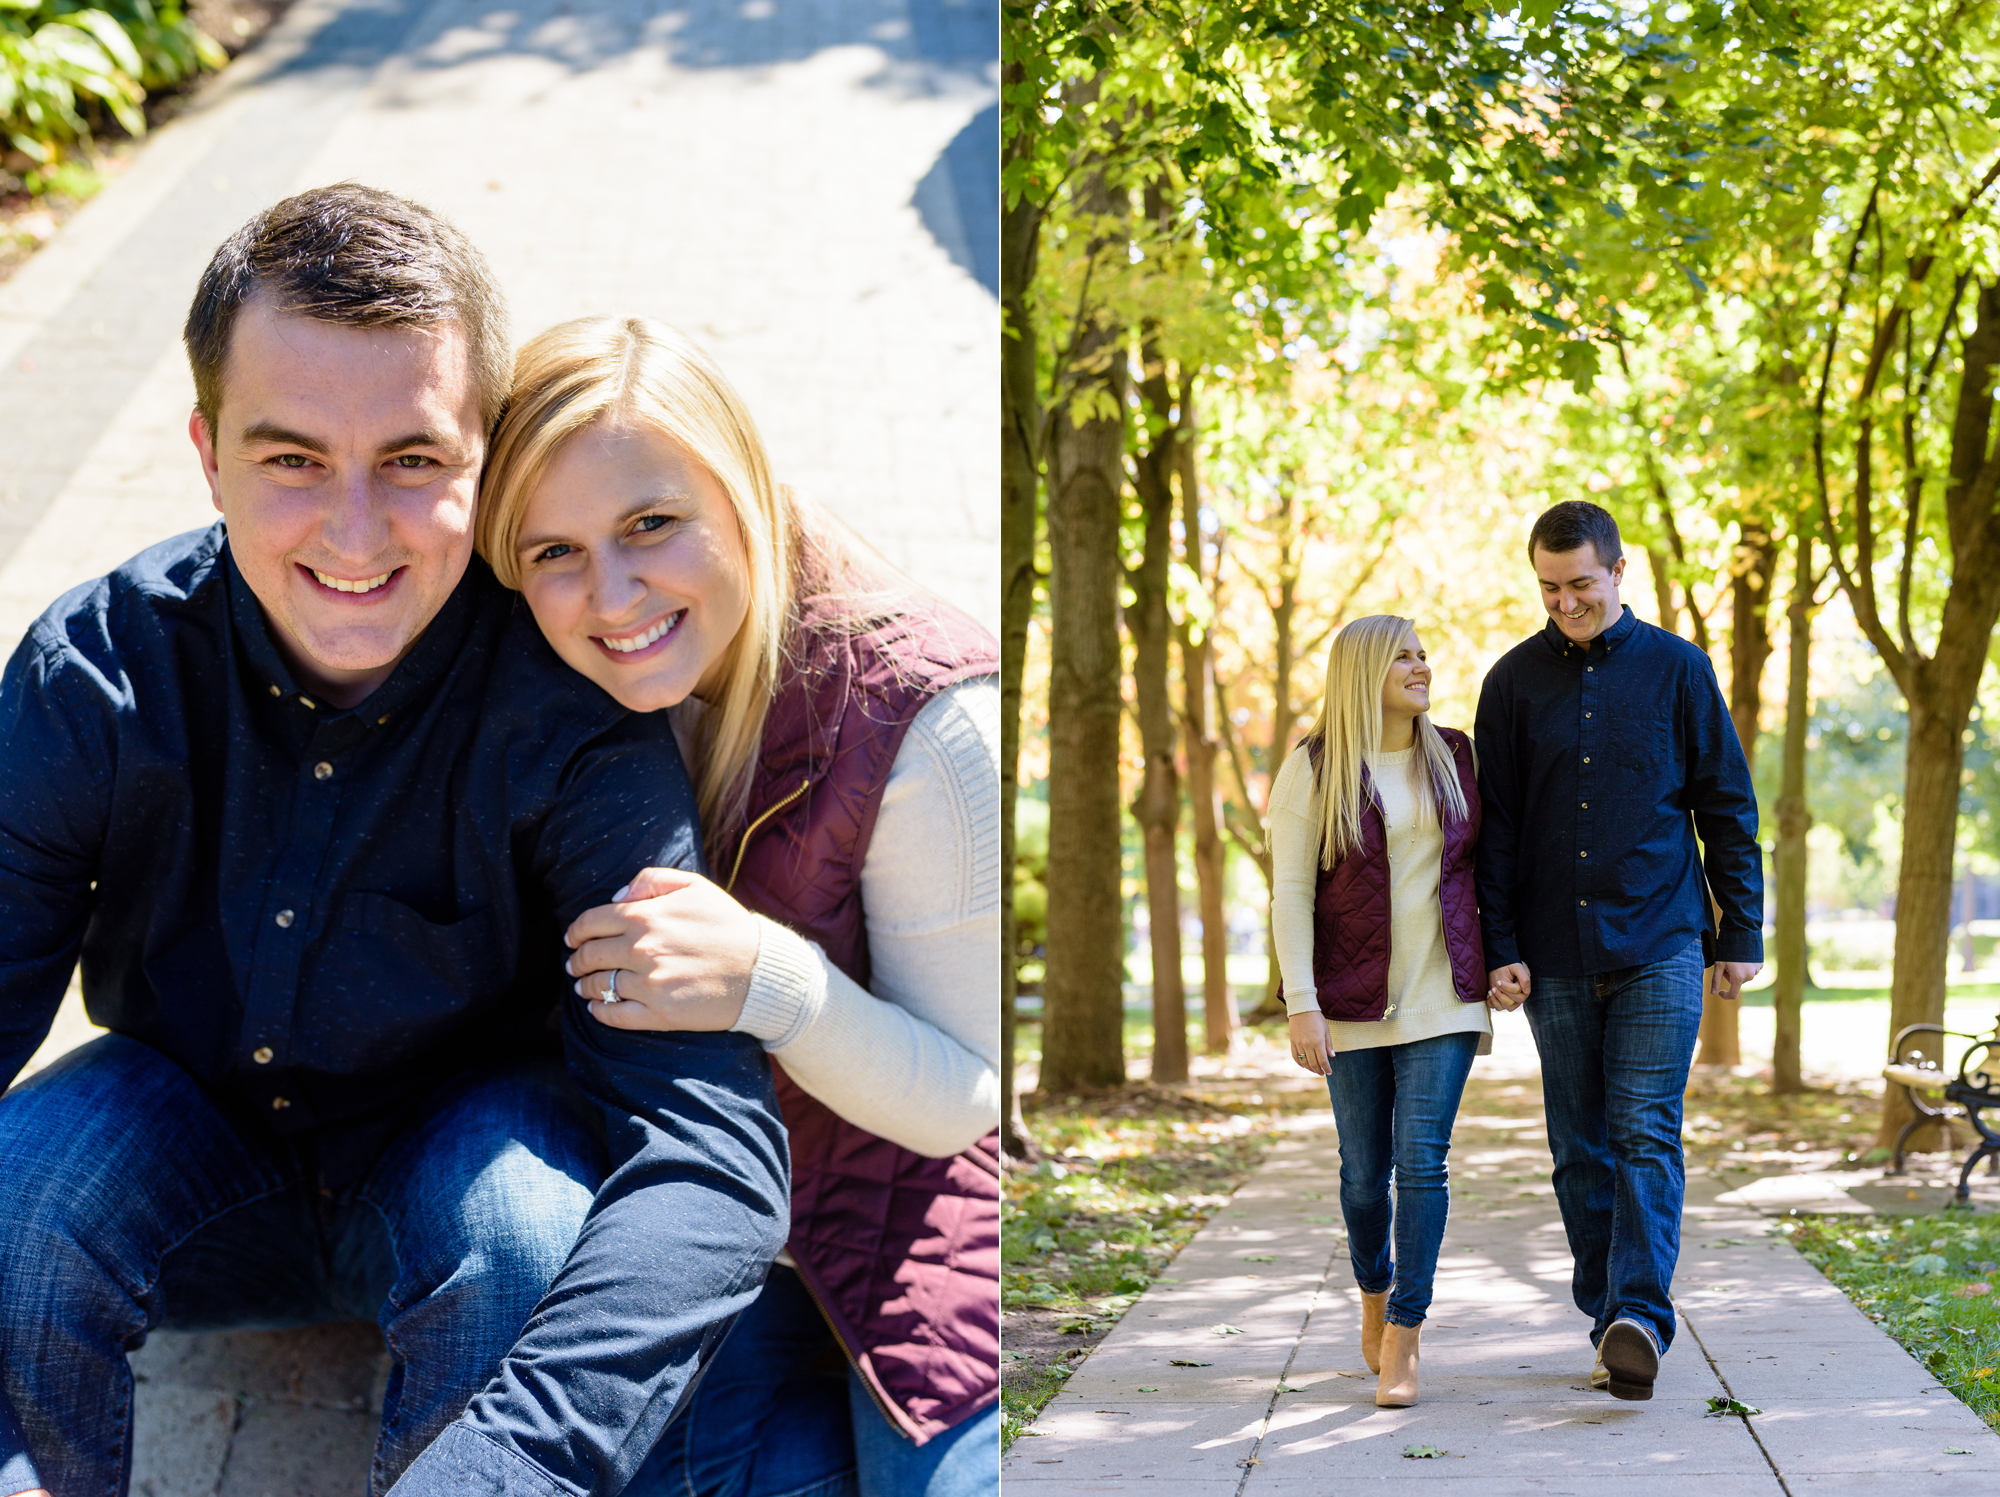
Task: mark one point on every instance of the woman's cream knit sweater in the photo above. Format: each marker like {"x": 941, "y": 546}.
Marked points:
{"x": 1422, "y": 1000}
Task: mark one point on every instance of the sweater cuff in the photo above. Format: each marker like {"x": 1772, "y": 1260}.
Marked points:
{"x": 787, "y": 987}
{"x": 1301, "y": 1003}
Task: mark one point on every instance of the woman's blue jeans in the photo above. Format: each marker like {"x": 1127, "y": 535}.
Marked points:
{"x": 1615, "y": 1051}
{"x": 1394, "y": 1107}
{"x": 780, "y": 1414}
{"x": 130, "y": 1202}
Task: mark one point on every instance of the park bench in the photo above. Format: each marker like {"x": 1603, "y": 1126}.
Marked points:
{"x": 1916, "y": 1063}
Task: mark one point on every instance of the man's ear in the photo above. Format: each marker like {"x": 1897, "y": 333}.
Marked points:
{"x": 1617, "y": 571}
{"x": 204, "y": 446}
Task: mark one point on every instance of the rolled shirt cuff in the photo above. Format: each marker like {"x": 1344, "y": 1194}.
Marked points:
{"x": 1739, "y": 946}
{"x": 462, "y": 1462}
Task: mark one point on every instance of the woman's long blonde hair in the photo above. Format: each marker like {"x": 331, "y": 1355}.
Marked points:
{"x": 631, "y": 370}
{"x": 1348, "y": 733}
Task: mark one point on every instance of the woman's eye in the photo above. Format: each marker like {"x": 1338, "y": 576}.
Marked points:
{"x": 553, "y": 553}
{"x": 647, "y": 524}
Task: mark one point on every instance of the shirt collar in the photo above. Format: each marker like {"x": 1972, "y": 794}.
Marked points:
{"x": 1597, "y": 648}
{"x": 427, "y": 663}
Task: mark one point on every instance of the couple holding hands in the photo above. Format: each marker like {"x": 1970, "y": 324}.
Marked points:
{"x": 1566, "y": 869}
{"x": 578, "y": 956}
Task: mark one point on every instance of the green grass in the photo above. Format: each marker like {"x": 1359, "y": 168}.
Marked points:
{"x": 1932, "y": 1282}
{"x": 1853, "y": 987}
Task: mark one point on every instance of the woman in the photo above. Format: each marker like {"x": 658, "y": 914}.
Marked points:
{"x": 1373, "y": 822}
{"x": 842, "y": 729}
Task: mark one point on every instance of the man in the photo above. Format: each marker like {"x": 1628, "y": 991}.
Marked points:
{"x": 313, "y": 801}
{"x": 1605, "y": 751}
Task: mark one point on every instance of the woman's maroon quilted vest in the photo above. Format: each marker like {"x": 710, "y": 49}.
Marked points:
{"x": 1351, "y": 909}
{"x": 902, "y": 1252}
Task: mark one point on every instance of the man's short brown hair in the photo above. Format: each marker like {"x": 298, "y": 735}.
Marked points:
{"x": 355, "y": 257}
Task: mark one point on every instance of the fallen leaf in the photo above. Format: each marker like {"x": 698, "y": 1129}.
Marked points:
{"x": 1972, "y": 1291}
{"x": 1421, "y": 1452}
{"x": 1288, "y": 1388}
{"x": 1927, "y": 1263}
{"x": 1225, "y": 1330}
{"x": 1186, "y": 1362}
{"x": 1142, "y": 1390}
{"x": 1721, "y": 1405}
{"x": 1954, "y": 1450}
{"x": 1260, "y": 1258}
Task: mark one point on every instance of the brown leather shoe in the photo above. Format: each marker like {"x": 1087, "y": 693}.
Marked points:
{"x": 1374, "y": 1309}
{"x": 1632, "y": 1358}
{"x": 1398, "y": 1386}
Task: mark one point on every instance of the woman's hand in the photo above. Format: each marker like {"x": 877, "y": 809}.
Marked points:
{"x": 1510, "y": 986}
{"x": 1309, "y": 1041}
{"x": 681, "y": 951}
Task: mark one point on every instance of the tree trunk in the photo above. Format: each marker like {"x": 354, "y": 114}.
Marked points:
{"x": 1940, "y": 693}
{"x": 1663, "y": 589}
{"x": 1923, "y": 889}
{"x": 1754, "y": 567}
{"x": 1020, "y": 419}
{"x": 1794, "y": 821}
{"x": 1083, "y": 997}
{"x": 1284, "y": 715}
{"x": 1158, "y": 806}
{"x": 1219, "y": 1022}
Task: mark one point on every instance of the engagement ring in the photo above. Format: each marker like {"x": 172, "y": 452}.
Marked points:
{"x": 611, "y": 987}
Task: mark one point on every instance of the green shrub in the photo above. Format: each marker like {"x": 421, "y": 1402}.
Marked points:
{"x": 58, "y": 60}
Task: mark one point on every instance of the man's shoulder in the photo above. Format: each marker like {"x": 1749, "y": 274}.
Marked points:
{"x": 1668, "y": 648}
{"x": 126, "y": 610}
{"x": 1533, "y": 649}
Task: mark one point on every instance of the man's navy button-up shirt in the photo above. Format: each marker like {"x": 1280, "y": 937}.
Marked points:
{"x": 1599, "y": 766}
{"x": 323, "y": 915}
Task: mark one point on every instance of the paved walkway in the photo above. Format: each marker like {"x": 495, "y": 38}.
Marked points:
{"x": 804, "y": 185}
{"x": 1283, "y": 1407}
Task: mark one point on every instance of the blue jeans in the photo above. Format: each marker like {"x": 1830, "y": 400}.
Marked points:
{"x": 780, "y": 1414}
{"x": 1615, "y": 1051}
{"x": 131, "y": 1202}
{"x": 1394, "y": 1108}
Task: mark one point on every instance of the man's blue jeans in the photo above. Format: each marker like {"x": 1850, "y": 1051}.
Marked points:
{"x": 780, "y": 1414}
{"x": 1394, "y": 1108}
{"x": 1615, "y": 1052}
{"x": 129, "y": 1203}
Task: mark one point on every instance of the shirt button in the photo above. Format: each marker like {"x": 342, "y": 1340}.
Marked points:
{"x": 1591, "y": 668}
{"x": 284, "y": 919}
{"x": 309, "y": 702}
{"x": 1586, "y": 758}
{"x": 322, "y": 770}
{"x": 279, "y": 1104}
{"x": 1586, "y": 805}
{"x": 1586, "y": 714}
{"x": 1583, "y": 903}
{"x": 1583, "y": 855}
{"x": 262, "y": 1055}
{"x": 276, "y": 692}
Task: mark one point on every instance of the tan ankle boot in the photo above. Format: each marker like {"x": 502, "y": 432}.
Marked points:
{"x": 1373, "y": 1308}
{"x": 1398, "y": 1387}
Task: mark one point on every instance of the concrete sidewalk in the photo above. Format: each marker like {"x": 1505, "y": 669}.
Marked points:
{"x": 806, "y": 186}
{"x": 1283, "y": 1407}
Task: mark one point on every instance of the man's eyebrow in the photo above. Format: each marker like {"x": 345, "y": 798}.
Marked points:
{"x": 428, "y": 437}
{"x": 283, "y": 436}
{"x": 529, "y": 542}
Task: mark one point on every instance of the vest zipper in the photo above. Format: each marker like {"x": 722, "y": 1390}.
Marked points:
{"x": 769, "y": 812}
{"x": 895, "y": 1417}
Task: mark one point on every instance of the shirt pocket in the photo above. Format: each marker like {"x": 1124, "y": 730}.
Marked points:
{"x": 1641, "y": 740}
{"x": 402, "y": 978}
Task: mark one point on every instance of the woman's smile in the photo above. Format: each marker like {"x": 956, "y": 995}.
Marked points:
{"x": 639, "y": 643}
